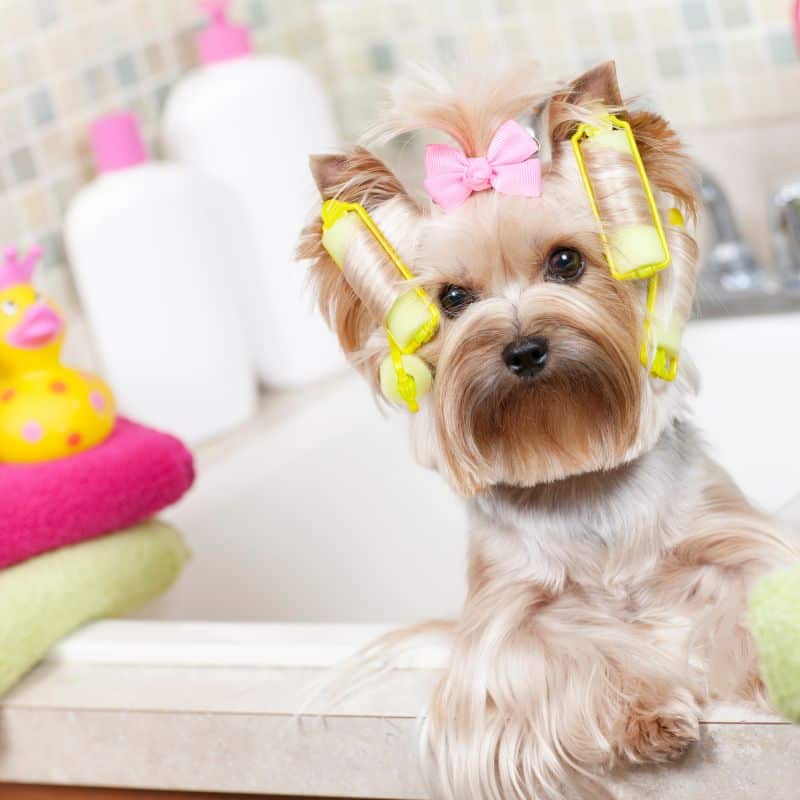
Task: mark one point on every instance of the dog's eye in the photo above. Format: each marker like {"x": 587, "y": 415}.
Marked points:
{"x": 454, "y": 299}
{"x": 564, "y": 265}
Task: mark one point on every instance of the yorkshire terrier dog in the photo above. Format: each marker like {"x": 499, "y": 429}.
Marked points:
{"x": 610, "y": 559}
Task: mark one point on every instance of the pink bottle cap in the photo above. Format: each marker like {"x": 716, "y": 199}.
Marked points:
{"x": 116, "y": 142}
{"x": 221, "y": 40}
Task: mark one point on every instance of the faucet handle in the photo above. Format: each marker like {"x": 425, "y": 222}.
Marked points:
{"x": 785, "y": 213}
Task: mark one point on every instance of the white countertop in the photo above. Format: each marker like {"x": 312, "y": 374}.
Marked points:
{"x": 214, "y": 707}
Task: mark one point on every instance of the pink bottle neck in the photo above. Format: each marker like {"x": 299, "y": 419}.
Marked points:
{"x": 221, "y": 40}
{"x": 117, "y": 143}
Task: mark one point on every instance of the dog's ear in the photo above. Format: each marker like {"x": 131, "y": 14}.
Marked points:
{"x": 659, "y": 145}
{"x": 357, "y": 176}
{"x": 597, "y": 86}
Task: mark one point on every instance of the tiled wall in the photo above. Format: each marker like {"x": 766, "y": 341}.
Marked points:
{"x": 62, "y": 62}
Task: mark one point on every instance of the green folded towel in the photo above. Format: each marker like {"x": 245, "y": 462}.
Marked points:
{"x": 43, "y": 599}
{"x": 775, "y": 622}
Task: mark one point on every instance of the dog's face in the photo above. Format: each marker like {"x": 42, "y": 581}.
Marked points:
{"x": 537, "y": 368}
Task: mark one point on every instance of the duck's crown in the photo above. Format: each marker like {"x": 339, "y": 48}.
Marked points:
{"x": 16, "y": 270}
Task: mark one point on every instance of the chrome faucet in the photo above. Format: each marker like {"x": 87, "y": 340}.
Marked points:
{"x": 731, "y": 263}
{"x": 732, "y": 282}
{"x": 785, "y": 228}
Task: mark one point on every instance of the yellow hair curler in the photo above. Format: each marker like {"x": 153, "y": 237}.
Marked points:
{"x": 634, "y": 251}
{"x": 410, "y": 317}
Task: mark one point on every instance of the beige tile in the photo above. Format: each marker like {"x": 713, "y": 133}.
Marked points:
{"x": 36, "y": 213}
{"x": 771, "y": 10}
{"x": 78, "y": 8}
{"x": 13, "y": 123}
{"x": 92, "y": 40}
{"x": 170, "y": 16}
{"x": 55, "y": 151}
{"x": 61, "y": 51}
{"x": 64, "y": 190}
{"x": 747, "y": 55}
{"x": 9, "y": 225}
{"x": 622, "y": 26}
{"x": 717, "y": 100}
{"x": 660, "y": 21}
{"x": 756, "y": 96}
{"x": 154, "y": 58}
{"x": 77, "y": 139}
{"x": 633, "y": 77}
{"x": 6, "y": 72}
{"x": 112, "y": 27}
{"x": 70, "y": 94}
{"x": 786, "y": 84}
{"x": 678, "y": 105}
{"x": 585, "y": 31}
{"x": 18, "y": 23}
{"x": 26, "y": 63}
{"x": 144, "y": 110}
{"x": 179, "y": 15}
{"x": 142, "y": 16}
{"x": 185, "y": 49}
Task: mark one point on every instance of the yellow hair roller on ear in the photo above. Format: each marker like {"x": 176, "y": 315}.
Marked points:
{"x": 635, "y": 250}
{"x": 632, "y": 251}
{"x": 410, "y": 317}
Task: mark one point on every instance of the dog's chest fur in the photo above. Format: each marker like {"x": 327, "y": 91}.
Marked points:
{"x": 604, "y": 527}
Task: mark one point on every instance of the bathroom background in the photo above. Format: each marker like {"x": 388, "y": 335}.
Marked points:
{"x": 295, "y": 480}
{"x": 704, "y": 63}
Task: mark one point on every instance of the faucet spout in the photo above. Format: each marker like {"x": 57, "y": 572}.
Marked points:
{"x": 731, "y": 263}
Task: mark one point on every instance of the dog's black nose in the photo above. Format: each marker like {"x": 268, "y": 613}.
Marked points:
{"x": 526, "y": 358}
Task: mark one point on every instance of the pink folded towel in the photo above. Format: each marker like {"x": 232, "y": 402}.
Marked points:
{"x": 128, "y": 478}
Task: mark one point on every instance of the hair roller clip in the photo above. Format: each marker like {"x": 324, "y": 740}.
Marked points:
{"x": 410, "y": 317}
{"x": 634, "y": 251}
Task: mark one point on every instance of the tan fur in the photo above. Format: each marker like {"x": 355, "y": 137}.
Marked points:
{"x": 610, "y": 559}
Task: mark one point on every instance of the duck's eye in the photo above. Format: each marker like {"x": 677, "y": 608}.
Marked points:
{"x": 8, "y": 307}
{"x": 564, "y": 265}
{"x": 454, "y": 299}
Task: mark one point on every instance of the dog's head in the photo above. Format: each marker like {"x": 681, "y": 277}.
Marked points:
{"x": 537, "y": 361}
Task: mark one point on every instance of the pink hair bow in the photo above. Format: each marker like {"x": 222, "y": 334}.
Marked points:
{"x": 509, "y": 167}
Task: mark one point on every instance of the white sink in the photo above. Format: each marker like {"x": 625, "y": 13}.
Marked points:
{"x": 749, "y": 403}
{"x": 316, "y": 512}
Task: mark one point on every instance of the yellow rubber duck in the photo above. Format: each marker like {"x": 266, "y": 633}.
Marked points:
{"x": 47, "y": 410}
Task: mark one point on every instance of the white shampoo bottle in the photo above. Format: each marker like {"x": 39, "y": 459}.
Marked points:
{"x": 252, "y": 122}
{"x": 154, "y": 248}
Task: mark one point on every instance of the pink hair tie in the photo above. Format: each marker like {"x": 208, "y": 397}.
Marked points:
{"x": 509, "y": 167}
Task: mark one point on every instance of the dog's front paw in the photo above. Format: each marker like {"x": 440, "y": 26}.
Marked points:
{"x": 661, "y": 733}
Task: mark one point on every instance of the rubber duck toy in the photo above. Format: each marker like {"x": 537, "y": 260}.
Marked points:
{"x": 47, "y": 410}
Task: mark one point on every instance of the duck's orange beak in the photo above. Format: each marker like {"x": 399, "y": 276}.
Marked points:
{"x": 40, "y": 325}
